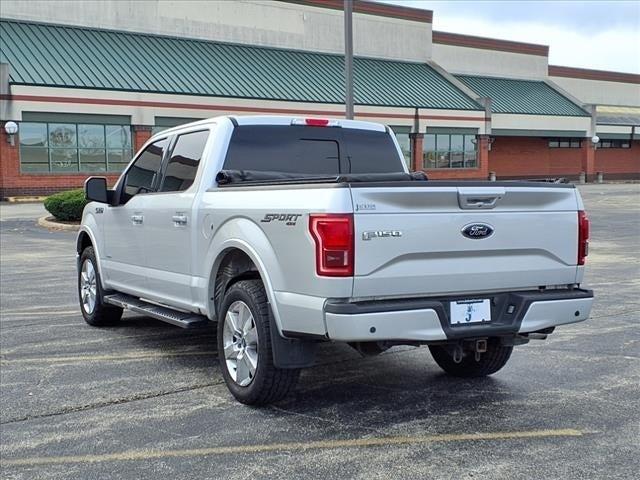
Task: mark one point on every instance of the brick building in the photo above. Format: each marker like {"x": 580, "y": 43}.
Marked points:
{"x": 88, "y": 86}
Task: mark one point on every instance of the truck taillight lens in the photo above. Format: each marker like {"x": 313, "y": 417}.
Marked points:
{"x": 333, "y": 235}
{"x": 583, "y": 237}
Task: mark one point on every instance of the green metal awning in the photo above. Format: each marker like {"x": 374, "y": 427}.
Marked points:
{"x": 78, "y": 57}
{"x": 530, "y": 97}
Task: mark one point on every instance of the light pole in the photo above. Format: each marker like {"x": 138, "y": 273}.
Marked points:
{"x": 348, "y": 57}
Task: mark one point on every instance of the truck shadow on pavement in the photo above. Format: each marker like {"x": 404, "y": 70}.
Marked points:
{"x": 402, "y": 383}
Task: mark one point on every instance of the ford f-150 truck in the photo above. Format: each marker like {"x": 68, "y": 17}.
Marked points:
{"x": 289, "y": 232}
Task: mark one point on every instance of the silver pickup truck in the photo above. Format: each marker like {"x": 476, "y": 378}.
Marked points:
{"x": 289, "y": 232}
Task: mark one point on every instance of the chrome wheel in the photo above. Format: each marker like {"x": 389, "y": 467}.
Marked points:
{"x": 240, "y": 341}
{"x": 88, "y": 287}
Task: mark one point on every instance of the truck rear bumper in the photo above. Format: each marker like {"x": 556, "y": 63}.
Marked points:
{"x": 427, "y": 320}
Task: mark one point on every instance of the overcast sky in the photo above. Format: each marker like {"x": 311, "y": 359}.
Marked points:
{"x": 604, "y": 35}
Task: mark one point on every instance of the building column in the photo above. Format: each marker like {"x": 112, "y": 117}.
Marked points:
{"x": 483, "y": 155}
{"x": 416, "y": 151}
{"x": 588, "y": 159}
{"x": 141, "y": 133}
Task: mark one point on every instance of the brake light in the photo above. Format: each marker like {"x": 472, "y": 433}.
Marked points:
{"x": 333, "y": 236}
{"x": 315, "y": 122}
{"x": 583, "y": 237}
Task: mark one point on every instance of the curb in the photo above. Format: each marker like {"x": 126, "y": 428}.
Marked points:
{"x": 28, "y": 199}
{"x": 49, "y": 223}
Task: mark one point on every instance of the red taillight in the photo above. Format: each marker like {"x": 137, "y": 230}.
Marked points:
{"x": 316, "y": 122}
{"x": 333, "y": 235}
{"x": 583, "y": 237}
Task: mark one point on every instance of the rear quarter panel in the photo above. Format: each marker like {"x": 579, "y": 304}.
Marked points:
{"x": 271, "y": 225}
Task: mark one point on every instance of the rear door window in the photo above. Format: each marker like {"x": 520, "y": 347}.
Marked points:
{"x": 311, "y": 150}
{"x": 185, "y": 158}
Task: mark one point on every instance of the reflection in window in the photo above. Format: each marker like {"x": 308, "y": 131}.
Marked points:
{"x": 404, "y": 140}
{"x": 183, "y": 164}
{"x": 141, "y": 177}
{"x": 449, "y": 150}
{"x": 73, "y": 147}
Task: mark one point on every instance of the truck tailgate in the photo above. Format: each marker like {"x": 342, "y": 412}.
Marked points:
{"x": 409, "y": 240}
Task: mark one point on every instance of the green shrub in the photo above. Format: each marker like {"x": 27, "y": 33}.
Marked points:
{"x": 66, "y": 206}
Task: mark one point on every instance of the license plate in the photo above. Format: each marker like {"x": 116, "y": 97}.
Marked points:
{"x": 464, "y": 312}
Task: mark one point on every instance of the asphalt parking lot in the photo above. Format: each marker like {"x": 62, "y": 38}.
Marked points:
{"x": 146, "y": 400}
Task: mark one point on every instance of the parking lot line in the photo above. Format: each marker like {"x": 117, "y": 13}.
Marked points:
{"x": 105, "y": 358}
{"x": 293, "y": 446}
{"x": 50, "y": 313}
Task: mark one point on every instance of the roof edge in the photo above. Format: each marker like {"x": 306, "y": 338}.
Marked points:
{"x": 485, "y": 43}
{"x": 372, "y": 8}
{"x": 589, "y": 74}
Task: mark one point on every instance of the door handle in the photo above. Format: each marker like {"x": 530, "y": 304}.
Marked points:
{"x": 179, "y": 220}
{"x": 482, "y": 202}
{"x": 470, "y": 198}
{"x": 137, "y": 219}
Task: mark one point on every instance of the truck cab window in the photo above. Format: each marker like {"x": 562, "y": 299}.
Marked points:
{"x": 142, "y": 175}
{"x": 183, "y": 164}
{"x": 311, "y": 150}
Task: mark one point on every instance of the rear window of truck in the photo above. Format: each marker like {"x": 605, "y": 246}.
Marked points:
{"x": 311, "y": 150}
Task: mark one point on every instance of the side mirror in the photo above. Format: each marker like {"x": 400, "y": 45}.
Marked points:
{"x": 95, "y": 189}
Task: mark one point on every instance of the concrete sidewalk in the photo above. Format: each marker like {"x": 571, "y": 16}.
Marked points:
{"x": 21, "y": 211}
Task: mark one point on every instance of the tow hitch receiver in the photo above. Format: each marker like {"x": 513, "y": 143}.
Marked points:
{"x": 478, "y": 347}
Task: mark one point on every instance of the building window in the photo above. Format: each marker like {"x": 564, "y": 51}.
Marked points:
{"x": 404, "y": 140}
{"x": 164, "y": 123}
{"x": 444, "y": 150}
{"x": 74, "y": 147}
{"x": 157, "y": 129}
{"x": 565, "y": 143}
{"x": 614, "y": 144}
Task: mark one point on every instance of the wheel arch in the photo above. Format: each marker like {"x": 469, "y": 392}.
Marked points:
{"x": 86, "y": 238}
{"x": 236, "y": 261}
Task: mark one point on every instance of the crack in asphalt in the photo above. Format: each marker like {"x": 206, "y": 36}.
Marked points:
{"x": 146, "y": 396}
{"x": 613, "y": 314}
{"x": 108, "y": 403}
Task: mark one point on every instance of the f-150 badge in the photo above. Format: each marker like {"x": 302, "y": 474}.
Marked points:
{"x": 369, "y": 234}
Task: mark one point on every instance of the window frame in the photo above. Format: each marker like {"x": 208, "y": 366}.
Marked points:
{"x": 449, "y": 151}
{"x": 78, "y": 170}
{"x": 614, "y": 143}
{"x": 557, "y": 142}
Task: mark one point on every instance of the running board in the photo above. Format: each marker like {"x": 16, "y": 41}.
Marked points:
{"x": 166, "y": 314}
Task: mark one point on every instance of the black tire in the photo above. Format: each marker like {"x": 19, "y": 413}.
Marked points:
{"x": 490, "y": 361}
{"x": 268, "y": 384}
{"x": 102, "y": 314}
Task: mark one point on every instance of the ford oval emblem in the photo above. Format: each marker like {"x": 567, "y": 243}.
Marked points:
{"x": 477, "y": 231}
